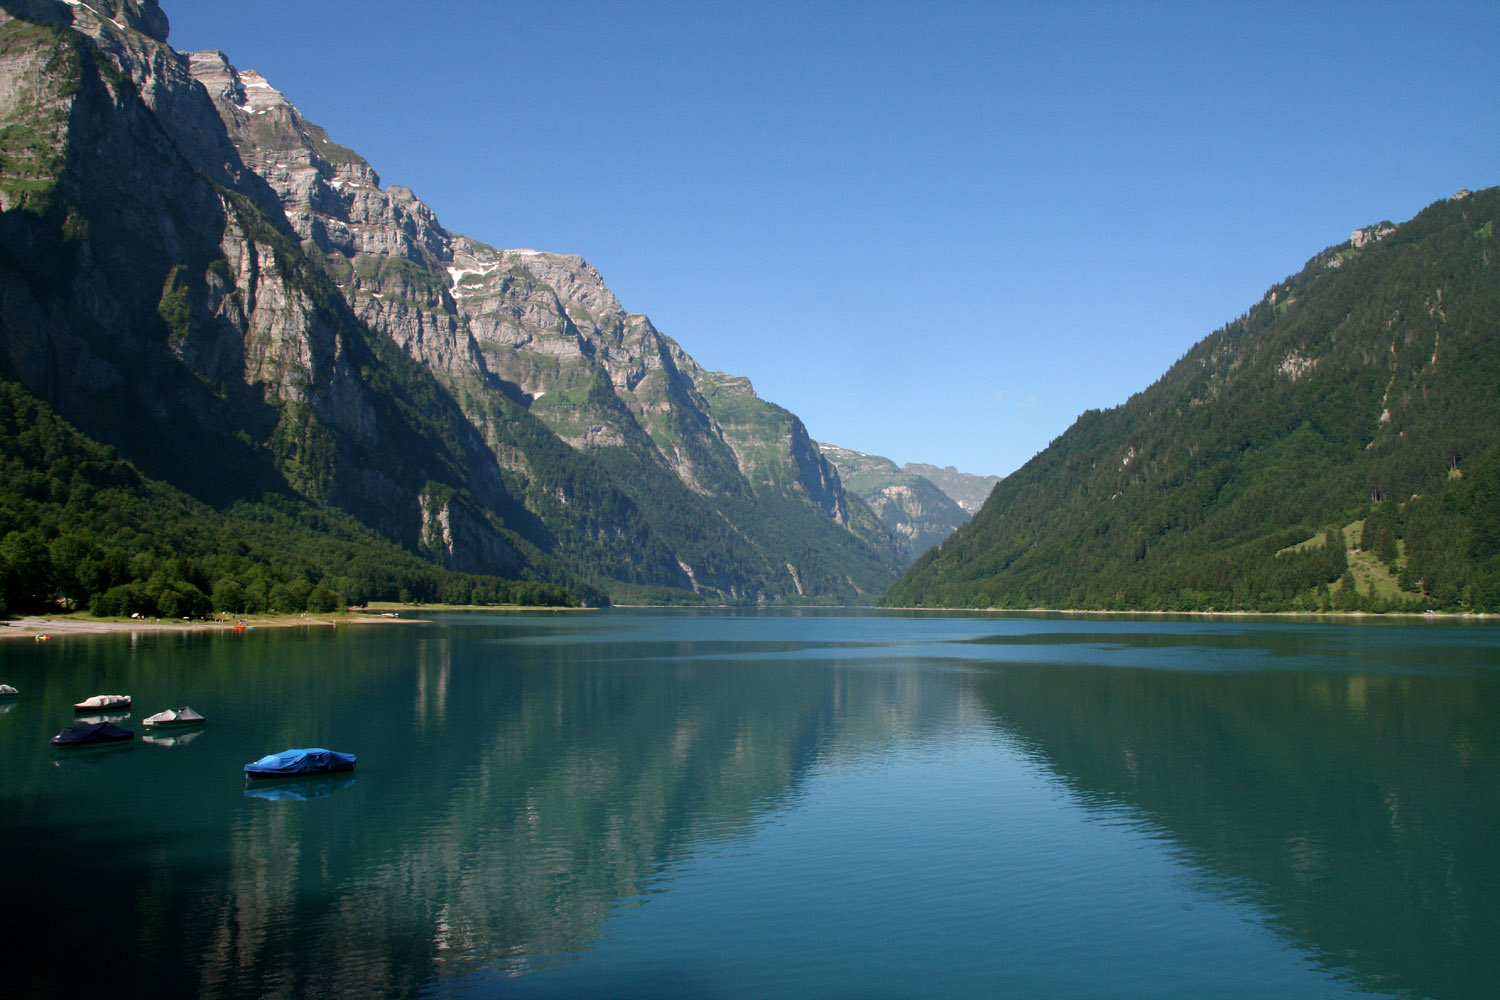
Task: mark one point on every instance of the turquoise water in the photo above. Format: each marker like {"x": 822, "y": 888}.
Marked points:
{"x": 662, "y": 804}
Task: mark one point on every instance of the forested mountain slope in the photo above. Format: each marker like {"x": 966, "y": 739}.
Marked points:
{"x": 194, "y": 274}
{"x": 1336, "y": 446}
{"x": 81, "y": 528}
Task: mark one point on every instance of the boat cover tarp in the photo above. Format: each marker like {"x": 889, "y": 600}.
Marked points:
{"x": 102, "y": 701}
{"x": 183, "y": 716}
{"x": 93, "y": 732}
{"x": 312, "y": 760}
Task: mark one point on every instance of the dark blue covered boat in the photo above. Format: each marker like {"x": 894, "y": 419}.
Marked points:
{"x": 289, "y": 763}
{"x": 91, "y": 734}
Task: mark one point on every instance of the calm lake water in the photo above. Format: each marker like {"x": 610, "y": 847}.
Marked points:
{"x": 721, "y": 805}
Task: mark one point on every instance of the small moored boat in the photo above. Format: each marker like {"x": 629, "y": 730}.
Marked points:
{"x": 91, "y": 734}
{"x": 103, "y": 703}
{"x": 173, "y": 718}
{"x": 6, "y": 691}
{"x": 289, "y": 763}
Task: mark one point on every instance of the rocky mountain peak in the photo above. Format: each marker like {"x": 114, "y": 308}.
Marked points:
{"x": 144, "y": 16}
{"x": 329, "y": 194}
{"x": 247, "y": 90}
{"x": 257, "y": 96}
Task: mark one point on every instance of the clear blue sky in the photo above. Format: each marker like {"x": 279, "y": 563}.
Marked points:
{"x": 935, "y": 231}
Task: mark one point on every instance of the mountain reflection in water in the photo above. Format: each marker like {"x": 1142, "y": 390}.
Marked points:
{"x": 525, "y": 781}
{"x": 1360, "y": 812}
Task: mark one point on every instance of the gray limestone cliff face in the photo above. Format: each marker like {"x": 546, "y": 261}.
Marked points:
{"x": 102, "y": 154}
{"x": 133, "y": 36}
{"x": 509, "y": 330}
{"x": 195, "y": 273}
{"x": 480, "y": 318}
{"x": 541, "y": 325}
{"x": 151, "y": 300}
{"x": 143, "y": 17}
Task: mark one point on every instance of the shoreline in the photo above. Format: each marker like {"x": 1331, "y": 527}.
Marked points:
{"x": 1377, "y": 615}
{"x": 46, "y": 627}
{"x": 36, "y": 627}
{"x": 375, "y": 613}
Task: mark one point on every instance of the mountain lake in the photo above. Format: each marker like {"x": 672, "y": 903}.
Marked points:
{"x": 751, "y": 804}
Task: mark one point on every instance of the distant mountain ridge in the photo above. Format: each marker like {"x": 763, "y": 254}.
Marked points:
{"x": 967, "y": 490}
{"x": 1336, "y": 447}
{"x": 202, "y": 278}
{"x": 915, "y": 510}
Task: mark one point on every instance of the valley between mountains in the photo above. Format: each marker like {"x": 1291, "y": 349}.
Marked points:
{"x": 239, "y": 374}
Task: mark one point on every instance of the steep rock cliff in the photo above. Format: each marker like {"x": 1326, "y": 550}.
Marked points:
{"x": 192, "y": 271}
{"x": 153, "y": 302}
{"x": 522, "y": 337}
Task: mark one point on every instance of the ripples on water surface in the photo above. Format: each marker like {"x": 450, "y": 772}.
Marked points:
{"x": 742, "y": 805}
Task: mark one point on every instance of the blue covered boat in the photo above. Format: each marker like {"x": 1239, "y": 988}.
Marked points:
{"x": 91, "y": 734}
{"x": 289, "y": 763}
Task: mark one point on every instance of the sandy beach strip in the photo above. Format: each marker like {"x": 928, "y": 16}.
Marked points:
{"x": 35, "y": 627}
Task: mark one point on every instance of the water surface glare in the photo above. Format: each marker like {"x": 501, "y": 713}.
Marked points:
{"x": 735, "y": 804}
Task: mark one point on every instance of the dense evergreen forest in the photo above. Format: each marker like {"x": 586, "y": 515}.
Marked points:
{"x": 80, "y": 528}
{"x": 1337, "y": 447}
